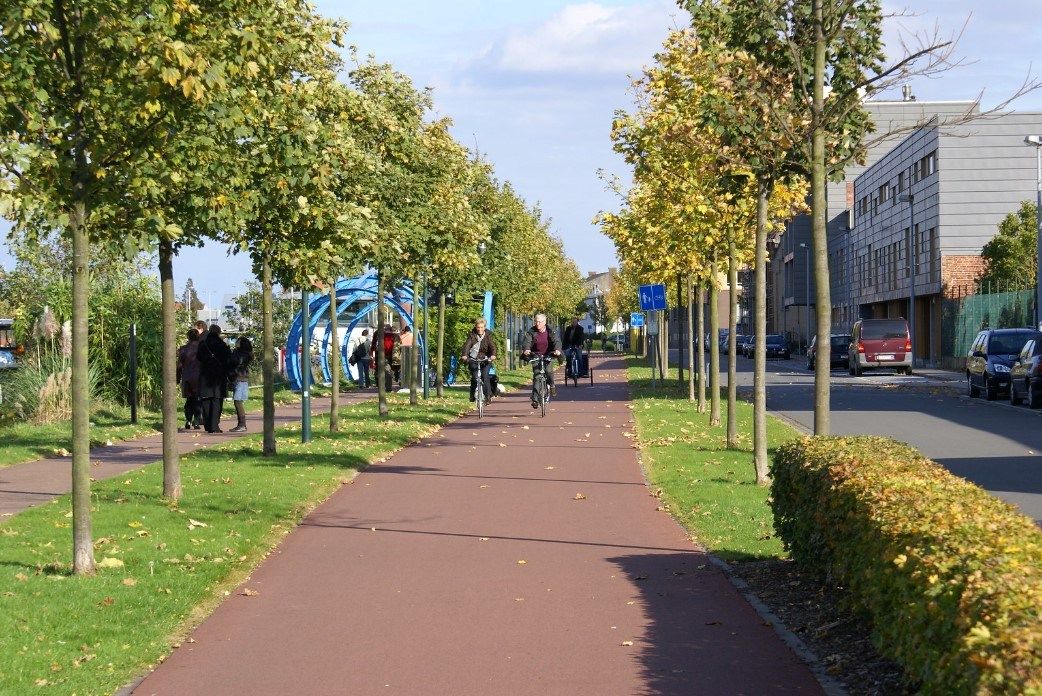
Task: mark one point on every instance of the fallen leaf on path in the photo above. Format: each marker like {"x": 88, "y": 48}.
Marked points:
{"x": 548, "y": 468}
{"x": 714, "y": 623}
{"x": 579, "y": 496}
{"x": 524, "y": 427}
{"x": 627, "y": 643}
{"x": 483, "y": 539}
{"x": 250, "y": 593}
{"x": 522, "y": 562}
{"x": 502, "y": 444}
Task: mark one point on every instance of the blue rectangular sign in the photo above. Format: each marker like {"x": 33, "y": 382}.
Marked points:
{"x": 652, "y": 297}
{"x": 636, "y": 320}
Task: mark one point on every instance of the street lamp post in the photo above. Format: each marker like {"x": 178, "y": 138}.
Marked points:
{"x": 913, "y": 259}
{"x": 806, "y": 300}
{"x": 1036, "y": 141}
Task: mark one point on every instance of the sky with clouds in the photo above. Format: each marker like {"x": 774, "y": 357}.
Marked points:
{"x": 534, "y": 85}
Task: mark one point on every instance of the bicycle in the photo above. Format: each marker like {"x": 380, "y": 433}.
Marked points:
{"x": 540, "y": 389}
{"x": 479, "y": 388}
{"x": 574, "y": 366}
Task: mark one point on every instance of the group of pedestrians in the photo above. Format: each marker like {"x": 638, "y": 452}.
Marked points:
{"x": 363, "y": 357}
{"x": 208, "y": 369}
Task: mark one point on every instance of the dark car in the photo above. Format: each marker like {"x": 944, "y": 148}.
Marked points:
{"x": 747, "y": 345}
{"x": 880, "y": 343}
{"x": 777, "y": 347}
{"x": 838, "y": 344}
{"x": 1025, "y": 377}
{"x": 991, "y": 358}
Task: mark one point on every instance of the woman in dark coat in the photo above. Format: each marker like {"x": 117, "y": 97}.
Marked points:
{"x": 188, "y": 376}
{"x": 215, "y": 361}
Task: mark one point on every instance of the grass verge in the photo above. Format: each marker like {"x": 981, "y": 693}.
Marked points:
{"x": 165, "y": 566}
{"x": 710, "y": 489}
{"x": 26, "y": 442}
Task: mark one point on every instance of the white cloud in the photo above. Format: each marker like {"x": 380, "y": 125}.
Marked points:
{"x": 585, "y": 39}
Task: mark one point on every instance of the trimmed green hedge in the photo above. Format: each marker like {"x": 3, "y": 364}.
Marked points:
{"x": 951, "y": 575}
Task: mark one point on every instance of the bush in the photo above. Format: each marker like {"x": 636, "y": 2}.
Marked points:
{"x": 951, "y": 575}
{"x": 39, "y": 390}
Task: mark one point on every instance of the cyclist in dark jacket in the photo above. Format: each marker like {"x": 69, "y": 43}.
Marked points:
{"x": 478, "y": 347}
{"x": 542, "y": 341}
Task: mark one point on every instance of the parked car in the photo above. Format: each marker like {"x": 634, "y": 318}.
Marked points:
{"x": 739, "y": 340}
{"x": 9, "y": 348}
{"x": 777, "y": 347}
{"x": 1025, "y": 377}
{"x": 721, "y": 340}
{"x": 746, "y": 346}
{"x": 991, "y": 358}
{"x": 839, "y": 345}
{"x": 880, "y": 343}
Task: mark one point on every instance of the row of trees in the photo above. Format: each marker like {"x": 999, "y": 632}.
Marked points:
{"x": 755, "y": 105}
{"x": 130, "y": 128}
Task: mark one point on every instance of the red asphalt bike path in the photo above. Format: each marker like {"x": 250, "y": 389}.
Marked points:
{"x": 510, "y": 555}
{"x": 24, "y": 485}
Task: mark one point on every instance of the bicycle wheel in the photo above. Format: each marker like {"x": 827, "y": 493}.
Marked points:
{"x": 479, "y": 396}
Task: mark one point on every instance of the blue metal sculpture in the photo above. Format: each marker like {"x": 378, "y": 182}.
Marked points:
{"x": 348, "y": 292}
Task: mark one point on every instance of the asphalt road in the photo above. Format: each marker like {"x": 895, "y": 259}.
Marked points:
{"x": 993, "y": 444}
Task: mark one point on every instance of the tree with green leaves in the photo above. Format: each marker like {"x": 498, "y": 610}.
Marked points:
{"x": 1010, "y": 256}
{"x": 92, "y": 90}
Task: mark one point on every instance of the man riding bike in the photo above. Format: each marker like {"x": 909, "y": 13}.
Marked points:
{"x": 479, "y": 352}
{"x": 574, "y": 341}
{"x": 541, "y": 341}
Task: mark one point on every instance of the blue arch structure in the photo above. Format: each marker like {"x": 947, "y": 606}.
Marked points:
{"x": 348, "y": 292}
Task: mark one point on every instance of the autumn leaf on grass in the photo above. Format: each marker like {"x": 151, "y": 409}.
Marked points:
{"x": 129, "y": 582}
{"x": 192, "y": 524}
{"x": 110, "y": 562}
{"x": 250, "y": 593}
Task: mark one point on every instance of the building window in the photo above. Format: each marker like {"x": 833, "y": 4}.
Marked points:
{"x": 935, "y": 271}
{"x": 901, "y": 180}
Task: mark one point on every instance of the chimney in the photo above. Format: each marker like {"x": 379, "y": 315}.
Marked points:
{"x": 906, "y": 93}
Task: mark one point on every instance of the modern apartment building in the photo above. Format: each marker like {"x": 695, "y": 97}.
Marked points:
{"x": 921, "y": 215}
{"x": 790, "y": 277}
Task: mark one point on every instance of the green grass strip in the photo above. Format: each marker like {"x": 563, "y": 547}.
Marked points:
{"x": 710, "y": 489}
{"x": 162, "y": 571}
{"x": 26, "y": 442}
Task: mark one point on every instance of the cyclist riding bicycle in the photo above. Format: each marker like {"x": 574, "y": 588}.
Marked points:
{"x": 479, "y": 352}
{"x": 541, "y": 341}
{"x": 574, "y": 341}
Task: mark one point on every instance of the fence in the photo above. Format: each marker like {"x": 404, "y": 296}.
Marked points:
{"x": 967, "y": 310}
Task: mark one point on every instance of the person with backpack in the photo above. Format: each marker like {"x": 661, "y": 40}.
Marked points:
{"x": 188, "y": 376}
{"x": 360, "y": 358}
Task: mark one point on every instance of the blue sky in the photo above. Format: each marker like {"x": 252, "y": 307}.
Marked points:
{"x": 535, "y": 84}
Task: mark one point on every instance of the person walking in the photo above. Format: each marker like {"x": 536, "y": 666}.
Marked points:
{"x": 215, "y": 361}
{"x": 361, "y": 359}
{"x": 242, "y": 358}
{"x": 541, "y": 341}
{"x": 188, "y": 377}
{"x": 479, "y": 351}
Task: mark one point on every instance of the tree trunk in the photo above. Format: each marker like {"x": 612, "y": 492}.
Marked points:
{"x": 268, "y": 357}
{"x": 680, "y": 330}
{"x": 701, "y": 348}
{"x": 334, "y": 360}
{"x": 663, "y": 345}
{"x": 822, "y": 296}
{"x": 82, "y": 543}
{"x": 714, "y": 348}
{"x": 171, "y": 461}
{"x": 690, "y": 340}
{"x": 732, "y": 344}
{"x": 414, "y": 352}
{"x": 440, "y": 381}
{"x": 381, "y": 356}
{"x": 760, "y": 333}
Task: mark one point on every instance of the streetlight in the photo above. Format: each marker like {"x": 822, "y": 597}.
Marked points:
{"x": 806, "y": 301}
{"x": 913, "y": 258}
{"x": 1036, "y": 141}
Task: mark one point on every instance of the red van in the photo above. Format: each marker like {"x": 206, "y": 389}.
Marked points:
{"x": 880, "y": 343}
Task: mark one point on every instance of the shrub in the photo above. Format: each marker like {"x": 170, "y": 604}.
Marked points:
{"x": 951, "y": 575}
{"x": 39, "y": 390}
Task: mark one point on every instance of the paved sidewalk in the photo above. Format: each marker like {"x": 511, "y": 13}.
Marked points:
{"x": 25, "y": 485}
{"x": 514, "y": 555}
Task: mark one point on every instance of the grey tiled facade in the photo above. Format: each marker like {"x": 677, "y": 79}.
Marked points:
{"x": 963, "y": 180}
